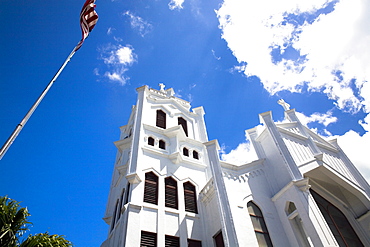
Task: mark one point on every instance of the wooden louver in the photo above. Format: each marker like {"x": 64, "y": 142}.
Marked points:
{"x": 148, "y": 239}
{"x": 171, "y": 200}
{"x": 161, "y": 119}
{"x": 172, "y": 241}
{"x": 190, "y": 198}
{"x": 151, "y": 188}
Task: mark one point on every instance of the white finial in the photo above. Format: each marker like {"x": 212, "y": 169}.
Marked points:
{"x": 284, "y": 104}
{"x": 162, "y": 86}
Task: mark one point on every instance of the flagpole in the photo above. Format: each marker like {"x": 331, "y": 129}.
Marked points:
{"x": 20, "y": 126}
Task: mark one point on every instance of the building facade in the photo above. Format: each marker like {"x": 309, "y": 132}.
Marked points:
{"x": 169, "y": 187}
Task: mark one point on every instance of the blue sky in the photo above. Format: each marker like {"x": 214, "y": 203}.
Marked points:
{"x": 234, "y": 58}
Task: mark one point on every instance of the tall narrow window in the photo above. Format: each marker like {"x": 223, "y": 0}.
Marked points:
{"x": 127, "y": 193}
{"x": 151, "y": 188}
{"x": 172, "y": 241}
{"x": 338, "y": 223}
{"x": 162, "y": 144}
{"x": 121, "y": 203}
{"x": 114, "y": 217}
{"x": 185, "y": 152}
{"x": 171, "y": 193}
{"x": 184, "y": 125}
{"x": 190, "y": 198}
{"x": 219, "y": 240}
{"x": 161, "y": 119}
{"x": 151, "y": 141}
{"x": 259, "y": 225}
{"x": 194, "y": 243}
{"x": 148, "y": 239}
{"x": 195, "y": 155}
{"x": 296, "y": 223}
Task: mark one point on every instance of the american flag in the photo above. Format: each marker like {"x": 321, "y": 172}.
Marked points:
{"x": 88, "y": 20}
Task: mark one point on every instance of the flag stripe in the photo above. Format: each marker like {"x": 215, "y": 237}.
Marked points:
{"x": 88, "y": 20}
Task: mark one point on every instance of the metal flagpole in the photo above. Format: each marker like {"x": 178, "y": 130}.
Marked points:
{"x": 19, "y": 127}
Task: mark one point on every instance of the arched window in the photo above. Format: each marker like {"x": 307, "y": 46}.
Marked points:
{"x": 185, "y": 152}
{"x": 338, "y": 223}
{"x": 171, "y": 193}
{"x": 184, "y": 125}
{"x": 195, "y": 155}
{"x": 151, "y": 188}
{"x": 296, "y": 223}
{"x": 259, "y": 225}
{"x": 151, "y": 141}
{"x": 162, "y": 144}
{"x": 161, "y": 119}
{"x": 190, "y": 198}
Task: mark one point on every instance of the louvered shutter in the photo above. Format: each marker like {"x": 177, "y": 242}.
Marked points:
{"x": 161, "y": 119}
{"x": 148, "y": 239}
{"x": 151, "y": 188}
{"x": 190, "y": 198}
{"x": 171, "y": 200}
{"x": 172, "y": 241}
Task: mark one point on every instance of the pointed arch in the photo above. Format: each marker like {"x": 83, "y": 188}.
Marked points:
{"x": 259, "y": 225}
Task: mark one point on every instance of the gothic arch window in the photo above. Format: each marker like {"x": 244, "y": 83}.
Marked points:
{"x": 162, "y": 144}
{"x": 171, "y": 200}
{"x": 184, "y": 125}
{"x": 151, "y": 188}
{"x": 185, "y": 152}
{"x": 338, "y": 223}
{"x": 151, "y": 141}
{"x": 190, "y": 198}
{"x": 195, "y": 155}
{"x": 259, "y": 225}
{"x": 296, "y": 223}
{"x": 161, "y": 119}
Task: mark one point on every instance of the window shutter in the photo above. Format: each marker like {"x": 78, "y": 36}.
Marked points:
{"x": 151, "y": 188}
{"x": 171, "y": 200}
{"x": 185, "y": 152}
{"x": 190, "y": 198}
{"x": 162, "y": 144}
{"x": 161, "y": 119}
{"x": 148, "y": 239}
{"x": 151, "y": 141}
{"x": 184, "y": 125}
{"x": 172, "y": 241}
{"x": 195, "y": 155}
{"x": 219, "y": 240}
{"x": 194, "y": 243}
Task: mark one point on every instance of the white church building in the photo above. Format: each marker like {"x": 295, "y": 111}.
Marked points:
{"x": 170, "y": 188}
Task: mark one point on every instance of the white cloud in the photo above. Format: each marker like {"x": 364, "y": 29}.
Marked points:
{"x": 118, "y": 59}
{"x": 322, "y": 118}
{"x": 175, "y": 4}
{"x": 244, "y": 153}
{"x": 356, "y": 148}
{"x": 327, "y": 51}
{"x": 138, "y": 23}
